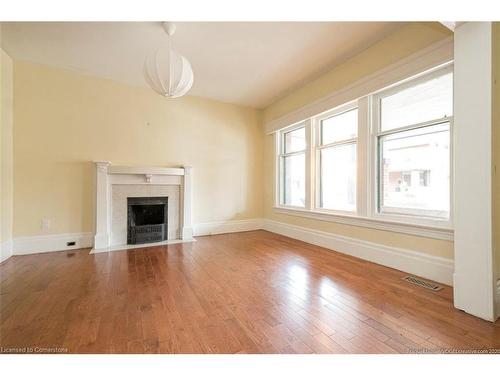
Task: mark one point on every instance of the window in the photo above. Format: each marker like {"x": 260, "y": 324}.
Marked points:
{"x": 336, "y": 154}
{"x": 413, "y": 140}
{"x": 417, "y": 102}
{"x": 293, "y": 162}
{"x": 383, "y": 158}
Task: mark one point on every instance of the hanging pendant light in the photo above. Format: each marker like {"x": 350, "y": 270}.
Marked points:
{"x": 166, "y": 71}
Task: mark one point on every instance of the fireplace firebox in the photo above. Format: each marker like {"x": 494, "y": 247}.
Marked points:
{"x": 147, "y": 219}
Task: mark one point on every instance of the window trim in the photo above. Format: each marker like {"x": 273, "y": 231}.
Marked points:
{"x": 387, "y": 225}
{"x": 376, "y": 132}
{"x": 280, "y": 147}
{"x": 366, "y": 214}
{"x": 318, "y": 146}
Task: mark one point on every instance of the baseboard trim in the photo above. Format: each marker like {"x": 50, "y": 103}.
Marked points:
{"x": 57, "y": 242}
{"x": 431, "y": 267}
{"x": 230, "y": 226}
{"x": 52, "y": 242}
{"x": 5, "y": 250}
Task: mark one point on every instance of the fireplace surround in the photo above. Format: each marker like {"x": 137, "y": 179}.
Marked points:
{"x": 115, "y": 184}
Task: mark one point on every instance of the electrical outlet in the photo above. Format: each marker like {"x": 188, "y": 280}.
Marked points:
{"x": 46, "y": 224}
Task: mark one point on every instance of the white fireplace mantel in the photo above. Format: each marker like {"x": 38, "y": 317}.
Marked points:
{"x": 108, "y": 175}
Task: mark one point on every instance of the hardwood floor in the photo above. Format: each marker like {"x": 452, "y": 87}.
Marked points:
{"x": 253, "y": 292}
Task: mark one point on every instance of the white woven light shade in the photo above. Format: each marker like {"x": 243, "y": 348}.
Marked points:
{"x": 168, "y": 72}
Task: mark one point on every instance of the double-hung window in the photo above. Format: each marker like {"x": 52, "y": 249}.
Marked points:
{"x": 382, "y": 160}
{"x": 292, "y": 161}
{"x": 412, "y": 133}
{"x": 336, "y": 156}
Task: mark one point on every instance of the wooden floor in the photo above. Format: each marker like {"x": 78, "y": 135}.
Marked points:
{"x": 253, "y": 292}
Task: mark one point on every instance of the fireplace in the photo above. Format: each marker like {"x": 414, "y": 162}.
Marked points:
{"x": 114, "y": 184}
{"x": 147, "y": 219}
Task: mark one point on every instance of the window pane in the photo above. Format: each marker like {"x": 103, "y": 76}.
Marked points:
{"x": 295, "y": 140}
{"x": 415, "y": 172}
{"x": 294, "y": 192}
{"x": 338, "y": 177}
{"x": 425, "y": 101}
{"x": 340, "y": 127}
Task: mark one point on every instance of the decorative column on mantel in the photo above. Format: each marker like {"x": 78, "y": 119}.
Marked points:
{"x": 187, "y": 229}
{"x": 102, "y": 221}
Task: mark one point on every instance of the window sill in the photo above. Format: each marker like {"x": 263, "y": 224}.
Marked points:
{"x": 372, "y": 223}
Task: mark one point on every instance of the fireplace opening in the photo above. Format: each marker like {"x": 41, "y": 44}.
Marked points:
{"x": 147, "y": 219}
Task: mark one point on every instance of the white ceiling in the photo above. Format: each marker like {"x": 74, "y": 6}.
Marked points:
{"x": 248, "y": 63}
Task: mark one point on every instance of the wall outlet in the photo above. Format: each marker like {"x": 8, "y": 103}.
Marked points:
{"x": 46, "y": 224}
{"x": 71, "y": 243}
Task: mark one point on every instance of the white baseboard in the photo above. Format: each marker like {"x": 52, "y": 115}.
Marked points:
{"x": 57, "y": 242}
{"x": 230, "y": 226}
{"x": 5, "y": 250}
{"x": 431, "y": 267}
{"x": 51, "y": 242}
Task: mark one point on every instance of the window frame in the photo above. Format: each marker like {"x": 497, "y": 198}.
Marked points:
{"x": 318, "y": 146}
{"x": 366, "y": 214}
{"x": 376, "y": 133}
{"x": 280, "y": 198}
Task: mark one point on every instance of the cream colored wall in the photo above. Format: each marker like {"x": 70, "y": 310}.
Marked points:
{"x": 395, "y": 47}
{"x": 64, "y": 121}
{"x": 496, "y": 143}
{"x": 6, "y": 153}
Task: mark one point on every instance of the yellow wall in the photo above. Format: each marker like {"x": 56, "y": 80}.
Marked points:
{"x": 6, "y": 153}
{"x": 64, "y": 121}
{"x": 391, "y": 49}
{"x": 397, "y": 46}
{"x": 496, "y": 143}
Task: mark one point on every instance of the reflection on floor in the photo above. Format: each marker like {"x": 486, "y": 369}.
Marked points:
{"x": 253, "y": 292}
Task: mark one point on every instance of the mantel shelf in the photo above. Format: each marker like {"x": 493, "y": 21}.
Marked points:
{"x": 146, "y": 170}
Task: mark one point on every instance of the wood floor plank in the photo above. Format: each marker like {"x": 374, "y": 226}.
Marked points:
{"x": 251, "y": 292}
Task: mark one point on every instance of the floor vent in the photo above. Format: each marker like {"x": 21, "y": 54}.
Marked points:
{"x": 425, "y": 284}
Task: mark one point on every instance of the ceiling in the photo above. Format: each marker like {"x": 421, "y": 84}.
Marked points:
{"x": 247, "y": 63}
